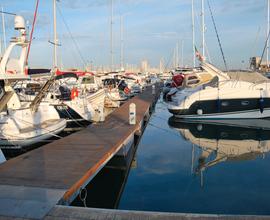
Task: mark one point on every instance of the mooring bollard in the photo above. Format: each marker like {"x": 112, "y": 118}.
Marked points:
{"x": 101, "y": 113}
{"x": 153, "y": 89}
{"x": 132, "y": 114}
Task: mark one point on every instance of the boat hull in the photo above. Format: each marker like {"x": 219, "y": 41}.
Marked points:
{"x": 31, "y": 136}
{"x": 246, "y": 108}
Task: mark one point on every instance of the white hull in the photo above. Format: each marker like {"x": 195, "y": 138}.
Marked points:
{"x": 251, "y": 114}
{"x": 22, "y": 127}
{"x": 34, "y": 136}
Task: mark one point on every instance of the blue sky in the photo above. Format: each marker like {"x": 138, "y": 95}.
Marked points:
{"x": 151, "y": 30}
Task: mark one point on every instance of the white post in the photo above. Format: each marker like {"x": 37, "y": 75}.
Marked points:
{"x": 268, "y": 20}
{"x": 132, "y": 114}
{"x": 4, "y": 30}
{"x": 101, "y": 113}
{"x": 153, "y": 89}
{"x": 193, "y": 33}
{"x": 203, "y": 30}
{"x": 111, "y": 35}
{"x": 55, "y": 36}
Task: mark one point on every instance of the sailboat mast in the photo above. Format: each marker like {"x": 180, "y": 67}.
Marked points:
{"x": 267, "y": 43}
{"x": 177, "y": 55}
{"x": 122, "y": 44}
{"x": 111, "y": 35}
{"x": 182, "y": 53}
{"x": 203, "y": 29}
{"x": 55, "y": 35}
{"x": 193, "y": 33}
{"x": 4, "y": 30}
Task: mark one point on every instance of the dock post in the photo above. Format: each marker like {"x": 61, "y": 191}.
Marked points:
{"x": 101, "y": 113}
{"x": 153, "y": 89}
{"x": 132, "y": 114}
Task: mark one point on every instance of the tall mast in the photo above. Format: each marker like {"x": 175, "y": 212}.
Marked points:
{"x": 193, "y": 33}
{"x": 203, "y": 30}
{"x": 174, "y": 53}
{"x": 55, "y": 35}
{"x": 182, "y": 53}
{"x": 177, "y": 55}
{"x": 122, "y": 45}
{"x": 111, "y": 35}
{"x": 268, "y": 21}
{"x": 4, "y": 30}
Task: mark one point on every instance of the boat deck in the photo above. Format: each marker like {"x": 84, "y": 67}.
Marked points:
{"x": 33, "y": 183}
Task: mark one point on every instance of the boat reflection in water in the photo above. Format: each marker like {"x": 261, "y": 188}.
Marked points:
{"x": 221, "y": 143}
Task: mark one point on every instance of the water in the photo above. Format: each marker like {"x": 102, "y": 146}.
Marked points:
{"x": 190, "y": 168}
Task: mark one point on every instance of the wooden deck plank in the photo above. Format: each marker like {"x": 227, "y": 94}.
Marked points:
{"x": 68, "y": 163}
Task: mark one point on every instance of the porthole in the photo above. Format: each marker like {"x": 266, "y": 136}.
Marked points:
{"x": 245, "y": 103}
{"x": 224, "y": 103}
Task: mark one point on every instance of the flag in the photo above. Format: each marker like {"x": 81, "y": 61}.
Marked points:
{"x": 197, "y": 53}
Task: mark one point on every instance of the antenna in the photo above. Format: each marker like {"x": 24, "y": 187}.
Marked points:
{"x": 55, "y": 36}
{"x": 122, "y": 44}
{"x": 177, "y": 55}
{"x": 203, "y": 29}
{"x": 182, "y": 52}
{"x": 4, "y": 29}
{"x": 267, "y": 43}
{"x": 111, "y": 35}
{"x": 193, "y": 33}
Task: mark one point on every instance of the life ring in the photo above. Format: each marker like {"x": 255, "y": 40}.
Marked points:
{"x": 74, "y": 93}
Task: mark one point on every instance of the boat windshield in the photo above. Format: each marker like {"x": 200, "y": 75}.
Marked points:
{"x": 88, "y": 80}
{"x": 212, "y": 83}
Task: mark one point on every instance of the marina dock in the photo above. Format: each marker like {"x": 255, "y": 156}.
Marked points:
{"x": 54, "y": 174}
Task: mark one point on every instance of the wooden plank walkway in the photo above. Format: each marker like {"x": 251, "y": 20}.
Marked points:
{"x": 33, "y": 183}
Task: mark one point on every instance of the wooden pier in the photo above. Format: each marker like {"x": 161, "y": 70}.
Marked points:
{"x": 35, "y": 182}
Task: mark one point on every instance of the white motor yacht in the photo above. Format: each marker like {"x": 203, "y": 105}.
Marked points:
{"x": 20, "y": 125}
{"x": 222, "y": 99}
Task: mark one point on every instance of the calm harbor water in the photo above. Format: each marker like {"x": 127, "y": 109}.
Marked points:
{"x": 189, "y": 168}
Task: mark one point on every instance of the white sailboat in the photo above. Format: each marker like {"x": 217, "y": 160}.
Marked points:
{"x": 19, "y": 124}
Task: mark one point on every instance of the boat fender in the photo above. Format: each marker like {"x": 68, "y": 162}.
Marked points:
{"x": 218, "y": 103}
{"x": 74, "y": 93}
{"x": 199, "y": 111}
{"x": 261, "y": 104}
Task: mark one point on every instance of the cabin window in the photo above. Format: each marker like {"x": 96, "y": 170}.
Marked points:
{"x": 225, "y": 103}
{"x": 244, "y": 135}
{"x": 192, "y": 77}
{"x": 193, "y": 82}
{"x": 88, "y": 80}
{"x": 224, "y": 134}
{"x": 245, "y": 103}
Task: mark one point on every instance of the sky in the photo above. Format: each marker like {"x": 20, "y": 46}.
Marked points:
{"x": 152, "y": 29}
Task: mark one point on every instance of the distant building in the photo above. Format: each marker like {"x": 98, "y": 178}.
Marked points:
{"x": 144, "y": 66}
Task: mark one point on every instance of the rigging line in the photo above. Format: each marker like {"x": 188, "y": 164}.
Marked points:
{"x": 219, "y": 42}
{"x": 265, "y": 45}
{"x": 8, "y": 13}
{"x": 71, "y": 36}
{"x": 165, "y": 130}
{"x": 169, "y": 60}
{"x": 256, "y": 41}
{"x": 32, "y": 31}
